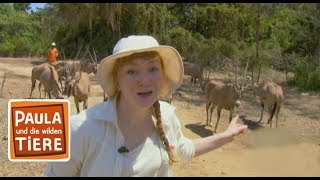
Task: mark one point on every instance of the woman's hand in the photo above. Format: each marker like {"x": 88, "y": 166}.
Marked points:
{"x": 235, "y": 127}
{"x": 206, "y": 144}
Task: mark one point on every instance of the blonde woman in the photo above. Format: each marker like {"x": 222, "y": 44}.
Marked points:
{"x": 133, "y": 133}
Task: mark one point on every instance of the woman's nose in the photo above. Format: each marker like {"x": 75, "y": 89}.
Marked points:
{"x": 143, "y": 80}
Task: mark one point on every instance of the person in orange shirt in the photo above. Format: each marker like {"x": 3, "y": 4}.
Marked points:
{"x": 52, "y": 53}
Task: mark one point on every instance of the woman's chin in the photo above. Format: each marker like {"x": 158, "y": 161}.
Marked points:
{"x": 146, "y": 102}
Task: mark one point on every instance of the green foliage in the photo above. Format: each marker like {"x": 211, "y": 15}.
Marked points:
{"x": 183, "y": 41}
{"x": 314, "y": 79}
{"x": 214, "y": 20}
{"x": 204, "y": 32}
{"x": 226, "y": 48}
{"x": 21, "y": 6}
{"x": 306, "y": 76}
{"x": 20, "y": 34}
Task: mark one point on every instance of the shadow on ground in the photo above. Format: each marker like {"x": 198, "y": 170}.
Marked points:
{"x": 199, "y": 129}
{"x": 252, "y": 125}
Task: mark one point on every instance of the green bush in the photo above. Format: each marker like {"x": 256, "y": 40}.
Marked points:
{"x": 314, "y": 80}
{"x": 306, "y": 76}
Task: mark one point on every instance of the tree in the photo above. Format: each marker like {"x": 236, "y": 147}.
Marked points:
{"x": 317, "y": 32}
{"x": 22, "y": 7}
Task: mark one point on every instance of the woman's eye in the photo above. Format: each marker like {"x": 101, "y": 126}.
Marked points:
{"x": 131, "y": 71}
{"x": 153, "y": 69}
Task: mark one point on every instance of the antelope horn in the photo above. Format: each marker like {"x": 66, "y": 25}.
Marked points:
{"x": 78, "y": 52}
{"x": 89, "y": 54}
{"x": 84, "y": 55}
{"x": 64, "y": 57}
{"x": 236, "y": 73}
{"x": 236, "y": 78}
{"x": 95, "y": 55}
{"x": 245, "y": 71}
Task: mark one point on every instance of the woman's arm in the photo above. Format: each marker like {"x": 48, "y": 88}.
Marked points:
{"x": 78, "y": 148}
{"x": 204, "y": 145}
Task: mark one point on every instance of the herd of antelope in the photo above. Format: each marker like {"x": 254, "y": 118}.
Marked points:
{"x": 228, "y": 95}
{"x": 74, "y": 73}
{"x": 218, "y": 94}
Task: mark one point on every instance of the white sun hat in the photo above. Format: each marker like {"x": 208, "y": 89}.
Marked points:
{"x": 53, "y": 44}
{"x": 171, "y": 60}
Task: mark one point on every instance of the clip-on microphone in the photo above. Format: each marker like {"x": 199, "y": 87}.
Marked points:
{"x": 123, "y": 150}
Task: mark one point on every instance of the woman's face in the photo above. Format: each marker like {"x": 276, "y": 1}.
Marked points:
{"x": 139, "y": 81}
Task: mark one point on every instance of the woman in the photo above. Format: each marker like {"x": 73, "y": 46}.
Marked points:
{"x": 133, "y": 133}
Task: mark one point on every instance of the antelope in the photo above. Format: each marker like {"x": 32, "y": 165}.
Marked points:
{"x": 35, "y": 75}
{"x": 71, "y": 66}
{"x": 78, "y": 84}
{"x": 62, "y": 71}
{"x": 75, "y": 66}
{"x": 224, "y": 96}
{"x": 195, "y": 71}
{"x": 79, "y": 87}
{"x": 270, "y": 94}
{"x": 49, "y": 78}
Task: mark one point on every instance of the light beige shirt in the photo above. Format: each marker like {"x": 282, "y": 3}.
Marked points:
{"x": 145, "y": 160}
{"x": 96, "y": 138}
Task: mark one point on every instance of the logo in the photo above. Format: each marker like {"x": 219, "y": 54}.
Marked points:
{"x": 38, "y": 130}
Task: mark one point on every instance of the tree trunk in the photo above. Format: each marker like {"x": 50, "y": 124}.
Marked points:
{"x": 252, "y": 79}
{"x": 90, "y": 23}
{"x": 257, "y": 41}
{"x": 286, "y": 64}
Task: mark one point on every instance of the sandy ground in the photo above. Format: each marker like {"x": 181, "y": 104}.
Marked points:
{"x": 292, "y": 149}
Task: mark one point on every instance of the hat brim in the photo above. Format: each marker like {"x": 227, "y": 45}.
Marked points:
{"x": 172, "y": 67}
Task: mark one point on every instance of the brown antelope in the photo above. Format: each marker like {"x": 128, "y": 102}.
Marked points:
{"x": 78, "y": 84}
{"x": 79, "y": 87}
{"x": 62, "y": 71}
{"x": 50, "y": 79}
{"x": 71, "y": 66}
{"x": 270, "y": 94}
{"x": 224, "y": 96}
{"x": 194, "y": 70}
{"x": 35, "y": 75}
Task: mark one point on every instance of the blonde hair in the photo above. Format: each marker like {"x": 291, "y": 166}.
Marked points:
{"x": 156, "y": 106}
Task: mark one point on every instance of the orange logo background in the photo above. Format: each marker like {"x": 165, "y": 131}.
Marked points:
{"x": 38, "y": 130}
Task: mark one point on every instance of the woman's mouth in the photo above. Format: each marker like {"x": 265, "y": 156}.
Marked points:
{"x": 145, "y": 94}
